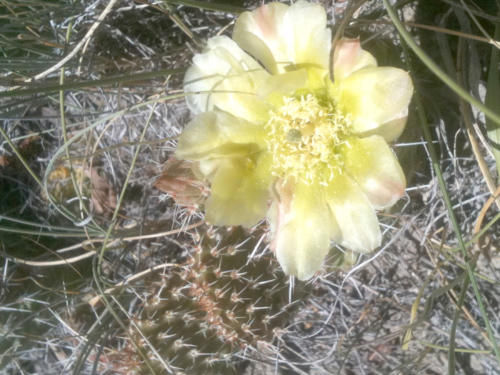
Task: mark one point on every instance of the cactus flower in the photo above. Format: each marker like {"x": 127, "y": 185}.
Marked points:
{"x": 277, "y": 139}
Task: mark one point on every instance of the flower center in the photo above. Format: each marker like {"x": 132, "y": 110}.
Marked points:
{"x": 304, "y": 138}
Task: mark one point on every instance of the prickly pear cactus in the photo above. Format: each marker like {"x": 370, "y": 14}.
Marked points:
{"x": 217, "y": 304}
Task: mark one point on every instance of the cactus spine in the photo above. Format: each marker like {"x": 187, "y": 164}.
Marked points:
{"x": 219, "y": 303}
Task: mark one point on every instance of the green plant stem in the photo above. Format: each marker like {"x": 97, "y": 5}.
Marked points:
{"x": 20, "y": 157}
{"x": 40, "y": 233}
{"x": 434, "y": 68}
{"x": 435, "y": 160}
{"x": 492, "y": 100}
{"x": 44, "y": 89}
{"x": 39, "y": 225}
{"x": 453, "y": 329}
{"x": 97, "y": 264}
{"x": 62, "y": 110}
{"x": 457, "y": 350}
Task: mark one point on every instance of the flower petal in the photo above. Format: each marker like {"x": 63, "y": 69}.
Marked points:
{"x": 271, "y": 34}
{"x": 303, "y": 227}
{"x": 350, "y": 57}
{"x": 375, "y": 97}
{"x": 354, "y": 214}
{"x": 390, "y": 130}
{"x": 372, "y": 164}
{"x": 218, "y": 134}
{"x": 224, "y": 76}
{"x": 283, "y": 84}
{"x": 258, "y": 33}
{"x": 312, "y": 39}
{"x": 239, "y": 192}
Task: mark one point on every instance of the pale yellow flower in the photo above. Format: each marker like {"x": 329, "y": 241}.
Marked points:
{"x": 278, "y": 140}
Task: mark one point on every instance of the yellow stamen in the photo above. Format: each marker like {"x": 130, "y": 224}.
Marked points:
{"x": 304, "y": 136}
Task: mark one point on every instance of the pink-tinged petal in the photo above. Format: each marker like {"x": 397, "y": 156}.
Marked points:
{"x": 354, "y": 215}
{"x": 311, "y": 38}
{"x": 350, "y": 57}
{"x": 372, "y": 164}
{"x": 225, "y": 77}
{"x": 258, "y": 33}
{"x": 240, "y": 190}
{"x": 180, "y": 180}
{"x": 218, "y": 134}
{"x": 302, "y": 228}
{"x": 272, "y": 34}
{"x": 376, "y": 98}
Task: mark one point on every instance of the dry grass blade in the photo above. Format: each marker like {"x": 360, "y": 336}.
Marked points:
{"x": 79, "y": 46}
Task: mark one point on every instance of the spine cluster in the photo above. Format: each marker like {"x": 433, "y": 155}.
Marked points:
{"x": 217, "y": 304}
